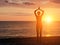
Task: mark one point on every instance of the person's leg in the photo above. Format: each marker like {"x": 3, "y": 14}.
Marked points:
{"x": 40, "y": 33}
{"x": 37, "y": 31}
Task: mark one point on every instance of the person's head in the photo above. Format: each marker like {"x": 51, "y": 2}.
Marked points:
{"x": 38, "y": 13}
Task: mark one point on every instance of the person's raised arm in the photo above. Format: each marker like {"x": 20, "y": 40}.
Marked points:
{"x": 35, "y": 12}
{"x": 42, "y": 12}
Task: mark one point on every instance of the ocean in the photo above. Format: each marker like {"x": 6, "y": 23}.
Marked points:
{"x": 27, "y": 28}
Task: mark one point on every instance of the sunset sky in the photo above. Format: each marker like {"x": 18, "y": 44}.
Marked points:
{"x": 23, "y": 10}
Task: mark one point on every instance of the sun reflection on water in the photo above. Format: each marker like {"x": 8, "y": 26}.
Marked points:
{"x": 48, "y": 35}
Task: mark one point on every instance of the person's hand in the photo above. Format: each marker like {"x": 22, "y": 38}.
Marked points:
{"x": 38, "y": 8}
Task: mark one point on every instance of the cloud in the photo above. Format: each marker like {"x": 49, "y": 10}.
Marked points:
{"x": 28, "y": 3}
{"x": 55, "y": 1}
{"x": 20, "y": 3}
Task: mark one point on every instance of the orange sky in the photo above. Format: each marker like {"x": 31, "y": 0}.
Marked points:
{"x": 25, "y": 11}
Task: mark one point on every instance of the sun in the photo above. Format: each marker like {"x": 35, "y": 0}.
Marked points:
{"x": 48, "y": 19}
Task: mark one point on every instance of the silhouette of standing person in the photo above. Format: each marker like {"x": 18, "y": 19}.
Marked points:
{"x": 39, "y": 13}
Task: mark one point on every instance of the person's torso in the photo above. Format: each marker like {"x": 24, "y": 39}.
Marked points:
{"x": 39, "y": 18}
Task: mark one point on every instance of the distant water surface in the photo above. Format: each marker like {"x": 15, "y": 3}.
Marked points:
{"x": 27, "y": 28}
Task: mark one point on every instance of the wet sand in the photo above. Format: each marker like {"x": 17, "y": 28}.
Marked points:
{"x": 30, "y": 41}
